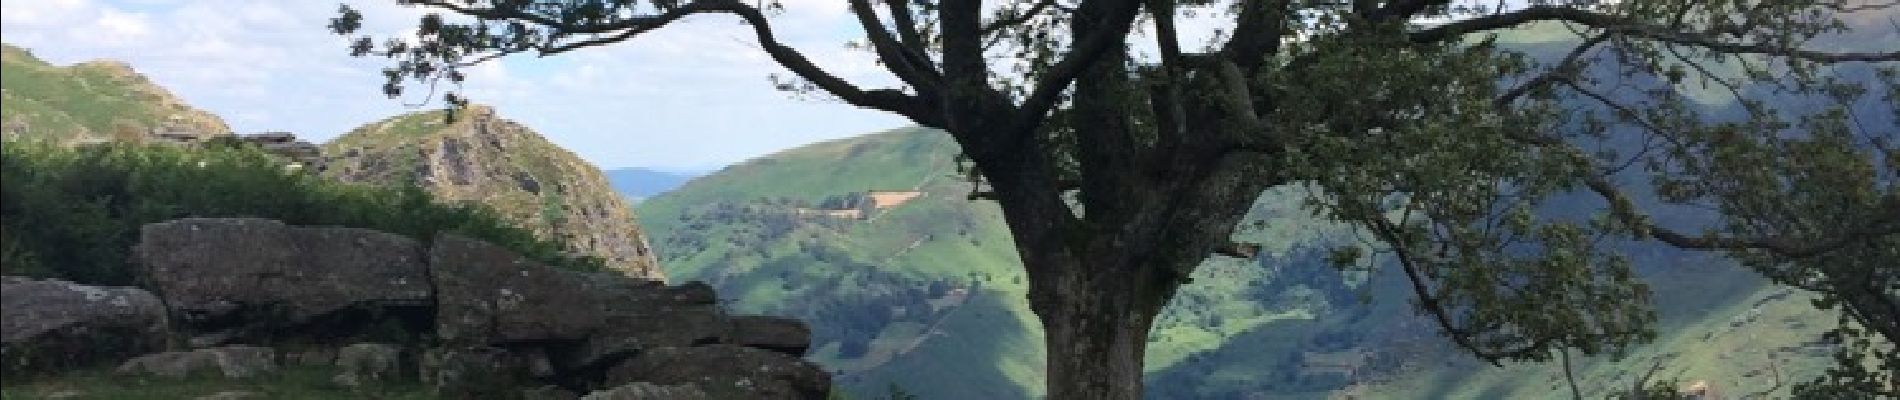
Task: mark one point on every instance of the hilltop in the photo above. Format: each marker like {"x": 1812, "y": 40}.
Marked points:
{"x": 481, "y": 157}
{"x": 92, "y": 101}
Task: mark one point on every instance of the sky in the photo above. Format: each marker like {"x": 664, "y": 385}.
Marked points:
{"x": 691, "y": 97}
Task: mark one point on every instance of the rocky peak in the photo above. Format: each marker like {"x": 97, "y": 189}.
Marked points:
{"x": 481, "y": 157}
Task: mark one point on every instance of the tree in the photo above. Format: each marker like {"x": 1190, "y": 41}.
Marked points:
{"x": 1119, "y": 172}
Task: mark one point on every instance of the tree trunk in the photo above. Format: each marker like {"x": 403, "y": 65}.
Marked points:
{"x": 1095, "y": 352}
{"x": 1095, "y": 320}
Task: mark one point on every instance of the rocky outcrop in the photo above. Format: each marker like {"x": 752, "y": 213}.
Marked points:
{"x": 497, "y": 325}
{"x": 727, "y": 372}
{"x": 230, "y": 279}
{"x": 367, "y": 362}
{"x": 480, "y": 157}
{"x": 488, "y": 295}
{"x": 648, "y": 391}
{"x": 49, "y": 325}
{"x": 227, "y": 361}
{"x": 771, "y": 333}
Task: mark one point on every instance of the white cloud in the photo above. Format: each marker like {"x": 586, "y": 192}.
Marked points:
{"x": 692, "y": 95}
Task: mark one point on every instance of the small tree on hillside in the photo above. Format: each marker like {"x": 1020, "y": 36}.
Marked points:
{"x": 1429, "y": 137}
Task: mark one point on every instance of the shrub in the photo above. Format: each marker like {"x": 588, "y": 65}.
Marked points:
{"x": 73, "y": 214}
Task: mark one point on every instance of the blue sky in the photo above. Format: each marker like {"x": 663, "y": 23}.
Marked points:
{"x": 693, "y": 96}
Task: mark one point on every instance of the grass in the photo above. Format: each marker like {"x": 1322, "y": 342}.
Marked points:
{"x": 1221, "y": 337}
{"x": 83, "y": 100}
{"x": 293, "y": 383}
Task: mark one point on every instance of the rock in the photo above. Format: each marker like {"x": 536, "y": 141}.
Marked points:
{"x": 642, "y": 315}
{"x": 726, "y": 372}
{"x": 694, "y": 292}
{"x": 782, "y": 335}
{"x": 367, "y": 362}
{"x": 488, "y": 295}
{"x": 230, "y": 361}
{"x": 248, "y": 275}
{"x": 470, "y": 373}
{"x": 483, "y": 158}
{"x": 548, "y": 392}
{"x": 311, "y": 358}
{"x": 231, "y": 395}
{"x": 648, "y": 391}
{"x": 51, "y": 325}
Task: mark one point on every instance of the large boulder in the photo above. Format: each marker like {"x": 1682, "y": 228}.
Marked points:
{"x": 363, "y": 363}
{"x": 228, "y": 361}
{"x": 648, "y": 391}
{"x": 726, "y": 372}
{"x": 51, "y": 325}
{"x": 642, "y": 315}
{"x": 778, "y": 334}
{"x": 246, "y": 274}
{"x": 472, "y": 372}
{"x": 487, "y": 295}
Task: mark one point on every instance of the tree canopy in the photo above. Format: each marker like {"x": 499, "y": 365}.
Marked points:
{"x": 1123, "y": 157}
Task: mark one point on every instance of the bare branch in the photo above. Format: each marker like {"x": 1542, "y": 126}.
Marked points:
{"x": 907, "y": 28}
{"x": 912, "y": 68}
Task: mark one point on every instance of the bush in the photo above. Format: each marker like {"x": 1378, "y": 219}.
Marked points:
{"x": 73, "y": 214}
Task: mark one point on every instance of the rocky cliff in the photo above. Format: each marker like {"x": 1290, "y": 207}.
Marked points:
{"x": 92, "y": 101}
{"x": 483, "y": 158}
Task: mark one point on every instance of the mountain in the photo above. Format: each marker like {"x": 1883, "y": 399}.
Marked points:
{"x": 643, "y": 183}
{"x": 484, "y": 158}
{"x": 927, "y": 293}
{"x": 94, "y": 100}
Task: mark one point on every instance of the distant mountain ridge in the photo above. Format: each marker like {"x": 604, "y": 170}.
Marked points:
{"x": 638, "y": 183}
{"x": 484, "y": 158}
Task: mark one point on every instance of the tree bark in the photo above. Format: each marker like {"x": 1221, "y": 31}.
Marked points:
{"x": 1096, "y": 322}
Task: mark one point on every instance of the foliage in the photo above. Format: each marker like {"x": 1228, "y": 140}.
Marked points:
{"x": 74, "y": 213}
{"x": 1120, "y": 173}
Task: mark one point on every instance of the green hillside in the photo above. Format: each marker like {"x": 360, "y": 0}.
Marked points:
{"x": 929, "y": 294}
{"x": 96, "y": 100}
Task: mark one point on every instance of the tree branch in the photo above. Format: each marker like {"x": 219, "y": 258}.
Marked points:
{"x": 1257, "y": 32}
{"x": 908, "y": 66}
{"x": 1562, "y": 71}
{"x": 1632, "y": 28}
{"x": 1121, "y": 17}
{"x": 1624, "y": 209}
{"x": 1018, "y": 19}
{"x": 623, "y": 30}
{"x": 907, "y": 28}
